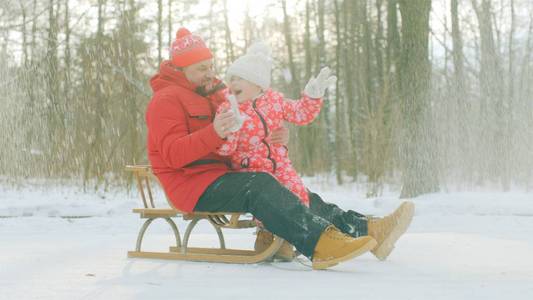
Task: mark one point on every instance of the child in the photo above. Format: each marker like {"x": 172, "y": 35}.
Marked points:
{"x": 264, "y": 110}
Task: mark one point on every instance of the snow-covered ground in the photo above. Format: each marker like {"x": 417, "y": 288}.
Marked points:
{"x": 476, "y": 245}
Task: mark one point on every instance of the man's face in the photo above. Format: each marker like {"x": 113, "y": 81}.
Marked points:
{"x": 200, "y": 73}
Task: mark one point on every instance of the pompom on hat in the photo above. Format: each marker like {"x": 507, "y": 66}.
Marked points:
{"x": 255, "y": 66}
{"x": 188, "y": 49}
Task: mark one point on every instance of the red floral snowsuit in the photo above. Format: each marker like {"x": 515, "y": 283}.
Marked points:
{"x": 248, "y": 149}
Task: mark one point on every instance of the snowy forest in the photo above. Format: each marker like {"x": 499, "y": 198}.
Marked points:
{"x": 430, "y": 95}
{"x": 418, "y": 168}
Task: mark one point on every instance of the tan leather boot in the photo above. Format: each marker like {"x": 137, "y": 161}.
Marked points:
{"x": 264, "y": 239}
{"x": 334, "y": 247}
{"x": 286, "y": 252}
{"x": 387, "y": 230}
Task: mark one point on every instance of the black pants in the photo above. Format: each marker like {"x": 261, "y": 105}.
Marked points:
{"x": 349, "y": 222}
{"x": 280, "y": 211}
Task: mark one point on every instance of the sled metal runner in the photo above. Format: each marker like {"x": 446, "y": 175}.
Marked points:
{"x": 181, "y": 250}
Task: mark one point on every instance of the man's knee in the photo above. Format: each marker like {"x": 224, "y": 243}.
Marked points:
{"x": 263, "y": 180}
{"x": 264, "y": 185}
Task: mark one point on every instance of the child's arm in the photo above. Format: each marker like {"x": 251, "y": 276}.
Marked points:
{"x": 307, "y": 108}
{"x": 229, "y": 146}
{"x": 302, "y": 111}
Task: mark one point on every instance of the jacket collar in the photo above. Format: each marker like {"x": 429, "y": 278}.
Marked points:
{"x": 170, "y": 75}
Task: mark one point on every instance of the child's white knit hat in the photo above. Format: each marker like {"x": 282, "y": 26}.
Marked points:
{"x": 255, "y": 66}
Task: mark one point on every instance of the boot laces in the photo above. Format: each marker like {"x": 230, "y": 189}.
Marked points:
{"x": 384, "y": 225}
{"x": 334, "y": 234}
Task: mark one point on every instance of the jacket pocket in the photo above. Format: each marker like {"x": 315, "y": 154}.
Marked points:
{"x": 199, "y": 116}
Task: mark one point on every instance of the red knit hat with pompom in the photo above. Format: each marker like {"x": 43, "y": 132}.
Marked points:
{"x": 188, "y": 49}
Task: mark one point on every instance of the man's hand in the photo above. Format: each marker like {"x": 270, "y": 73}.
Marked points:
{"x": 280, "y": 136}
{"x": 224, "y": 122}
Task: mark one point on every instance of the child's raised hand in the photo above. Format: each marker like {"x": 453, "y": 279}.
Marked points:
{"x": 316, "y": 87}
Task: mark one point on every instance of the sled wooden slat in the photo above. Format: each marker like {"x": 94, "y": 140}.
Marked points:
{"x": 215, "y": 251}
{"x": 213, "y": 255}
{"x": 156, "y": 212}
{"x": 143, "y": 177}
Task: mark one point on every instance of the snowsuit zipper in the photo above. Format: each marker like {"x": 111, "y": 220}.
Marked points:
{"x": 265, "y": 127}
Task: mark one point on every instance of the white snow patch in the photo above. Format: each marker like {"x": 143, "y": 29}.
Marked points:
{"x": 460, "y": 246}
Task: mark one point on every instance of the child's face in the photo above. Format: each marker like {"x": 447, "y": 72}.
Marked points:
{"x": 243, "y": 89}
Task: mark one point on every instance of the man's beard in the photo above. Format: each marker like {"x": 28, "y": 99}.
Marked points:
{"x": 202, "y": 91}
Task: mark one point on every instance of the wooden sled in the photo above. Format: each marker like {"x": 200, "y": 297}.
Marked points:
{"x": 181, "y": 251}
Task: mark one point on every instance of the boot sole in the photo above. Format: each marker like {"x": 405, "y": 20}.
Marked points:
{"x": 320, "y": 265}
{"x": 285, "y": 253}
{"x": 284, "y": 258}
{"x": 383, "y": 251}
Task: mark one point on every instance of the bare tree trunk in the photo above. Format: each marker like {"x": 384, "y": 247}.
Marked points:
{"x": 393, "y": 43}
{"x": 94, "y": 158}
{"x": 366, "y": 70}
{"x": 169, "y": 22}
{"x": 30, "y": 75}
{"x": 159, "y": 30}
{"x": 463, "y": 111}
{"x": 307, "y": 41}
{"x": 509, "y": 114}
{"x": 213, "y": 45}
{"x": 392, "y": 67}
{"x": 339, "y": 132}
{"x": 230, "y": 56}
{"x": 24, "y": 35}
{"x": 308, "y": 155}
{"x": 67, "y": 58}
{"x": 524, "y": 110}
{"x": 53, "y": 111}
{"x": 301, "y": 135}
{"x": 378, "y": 128}
{"x": 68, "y": 144}
{"x": 418, "y": 176}
{"x": 457, "y": 54}
{"x": 511, "y": 57}
{"x": 366, "y": 118}
{"x": 132, "y": 95}
{"x": 33, "y": 28}
{"x": 295, "y": 84}
{"x": 248, "y": 27}
{"x": 350, "y": 53}
{"x": 378, "y": 46}
{"x": 324, "y": 118}
{"x": 491, "y": 110}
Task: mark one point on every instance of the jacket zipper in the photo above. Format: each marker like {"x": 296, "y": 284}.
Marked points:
{"x": 265, "y": 127}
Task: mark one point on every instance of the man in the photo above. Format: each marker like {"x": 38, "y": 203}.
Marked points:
{"x": 183, "y": 135}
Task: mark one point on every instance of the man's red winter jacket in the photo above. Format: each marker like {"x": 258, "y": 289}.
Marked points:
{"x": 181, "y": 138}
